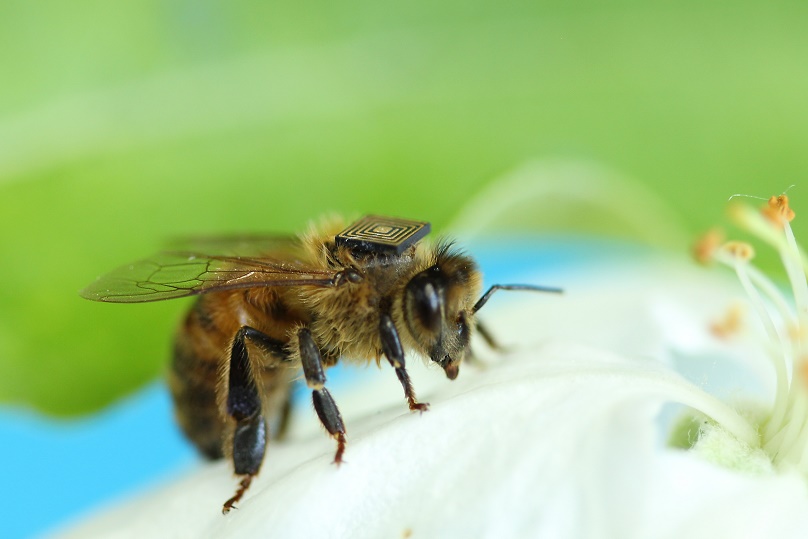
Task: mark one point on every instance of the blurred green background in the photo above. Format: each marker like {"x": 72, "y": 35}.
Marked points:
{"x": 123, "y": 124}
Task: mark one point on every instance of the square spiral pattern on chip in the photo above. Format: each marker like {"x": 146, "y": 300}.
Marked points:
{"x": 383, "y": 235}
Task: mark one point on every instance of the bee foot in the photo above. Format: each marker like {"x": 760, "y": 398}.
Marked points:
{"x": 419, "y": 406}
{"x": 340, "y": 450}
{"x": 230, "y": 504}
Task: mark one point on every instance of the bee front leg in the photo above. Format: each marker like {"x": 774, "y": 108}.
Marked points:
{"x": 244, "y": 405}
{"x": 391, "y": 346}
{"x": 324, "y": 404}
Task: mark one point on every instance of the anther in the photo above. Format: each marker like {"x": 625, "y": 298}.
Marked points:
{"x": 706, "y": 246}
{"x": 778, "y": 211}
{"x": 739, "y": 250}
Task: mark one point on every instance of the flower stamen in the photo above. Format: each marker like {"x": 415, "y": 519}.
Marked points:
{"x": 705, "y": 248}
{"x": 730, "y": 324}
{"x": 777, "y": 210}
{"x": 784, "y": 434}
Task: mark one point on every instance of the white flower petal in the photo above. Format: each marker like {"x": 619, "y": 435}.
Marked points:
{"x": 696, "y": 499}
{"x": 553, "y": 440}
{"x": 527, "y": 445}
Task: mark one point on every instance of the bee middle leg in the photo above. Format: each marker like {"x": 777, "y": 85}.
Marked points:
{"x": 244, "y": 405}
{"x": 488, "y": 337}
{"x": 391, "y": 346}
{"x": 286, "y": 413}
{"x": 324, "y": 404}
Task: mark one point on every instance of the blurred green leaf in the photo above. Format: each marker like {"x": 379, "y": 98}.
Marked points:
{"x": 125, "y": 124}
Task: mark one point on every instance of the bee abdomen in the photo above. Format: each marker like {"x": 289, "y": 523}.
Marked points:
{"x": 193, "y": 380}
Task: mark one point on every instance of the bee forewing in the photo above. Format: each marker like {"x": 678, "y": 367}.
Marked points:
{"x": 169, "y": 275}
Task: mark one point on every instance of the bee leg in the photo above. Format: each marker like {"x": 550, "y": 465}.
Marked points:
{"x": 488, "y": 337}
{"x": 265, "y": 342}
{"x": 324, "y": 404}
{"x": 391, "y": 346}
{"x": 244, "y": 405}
{"x": 286, "y": 414}
{"x": 469, "y": 356}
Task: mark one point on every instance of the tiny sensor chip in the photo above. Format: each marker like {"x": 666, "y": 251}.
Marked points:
{"x": 382, "y": 235}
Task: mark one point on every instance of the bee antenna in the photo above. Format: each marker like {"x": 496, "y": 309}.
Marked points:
{"x": 482, "y": 301}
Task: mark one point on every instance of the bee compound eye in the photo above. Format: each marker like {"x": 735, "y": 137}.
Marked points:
{"x": 424, "y": 302}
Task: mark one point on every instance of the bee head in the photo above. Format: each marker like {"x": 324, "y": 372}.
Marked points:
{"x": 438, "y": 308}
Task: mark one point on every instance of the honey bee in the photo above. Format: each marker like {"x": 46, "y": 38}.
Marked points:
{"x": 271, "y": 306}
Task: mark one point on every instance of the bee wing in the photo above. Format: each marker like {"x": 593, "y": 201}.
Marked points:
{"x": 279, "y": 246}
{"x": 176, "y": 274}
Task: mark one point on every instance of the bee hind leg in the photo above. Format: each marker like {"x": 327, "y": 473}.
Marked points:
{"x": 324, "y": 404}
{"x": 391, "y": 346}
{"x": 244, "y": 405}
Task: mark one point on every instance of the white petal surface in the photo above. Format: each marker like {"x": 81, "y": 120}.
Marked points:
{"x": 555, "y": 440}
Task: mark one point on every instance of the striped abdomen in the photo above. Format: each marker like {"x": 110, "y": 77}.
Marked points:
{"x": 198, "y": 374}
{"x": 196, "y": 370}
